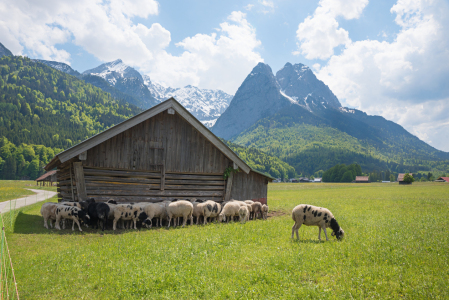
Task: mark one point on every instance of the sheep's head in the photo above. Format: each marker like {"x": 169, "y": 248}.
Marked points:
{"x": 337, "y": 231}
{"x": 221, "y": 217}
{"x": 148, "y": 223}
{"x": 143, "y": 216}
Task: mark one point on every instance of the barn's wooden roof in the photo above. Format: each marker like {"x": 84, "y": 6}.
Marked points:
{"x": 125, "y": 125}
{"x": 46, "y": 175}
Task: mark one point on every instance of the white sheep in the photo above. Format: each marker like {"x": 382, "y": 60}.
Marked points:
{"x": 265, "y": 211}
{"x": 243, "y": 213}
{"x": 180, "y": 208}
{"x": 256, "y": 209}
{"x": 230, "y": 210}
{"x": 249, "y": 201}
{"x": 128, "y": 212}
{"x": 315, "y": 216}
{"x": 244, "y": 203}
{"x": 48, "y": 211}
{"x": 71, "y": 213}
{"x": 198, "y": 209}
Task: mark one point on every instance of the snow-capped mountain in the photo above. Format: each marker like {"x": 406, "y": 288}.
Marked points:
{"x": 126, "y": 79}
{"x": 206, "y": 105}
{"x": 59, "y": 66}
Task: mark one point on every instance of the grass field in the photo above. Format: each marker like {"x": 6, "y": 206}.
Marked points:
{"x": 396, "y": 245}
{"x": 12, "y": 189}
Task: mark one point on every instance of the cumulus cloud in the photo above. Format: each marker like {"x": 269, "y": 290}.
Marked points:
{"x": 217, "y": 60}
{"x": 106, "y": 29}
{"x": 319, "y": 34}
{"x": 404, "y": 80}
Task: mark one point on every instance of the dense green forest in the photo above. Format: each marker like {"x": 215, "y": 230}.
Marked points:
{"x": 342, "y": 173}
{"x": 263, "y": 162}
{"x": 308, "y": 144}
{"x": 42, "y": 106}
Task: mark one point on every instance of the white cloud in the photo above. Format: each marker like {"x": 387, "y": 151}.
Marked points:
{"x": 249, "y": 6}
{"x": 106, "y": 30}
{"x": 319, "y": 34}
{"x": 404, "y": 80}
{"x": 266, "y": 3}
{"x": 218, "y": 60}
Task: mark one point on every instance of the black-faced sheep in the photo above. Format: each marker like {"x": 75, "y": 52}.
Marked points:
{"x": 98, "y": 212}
{"x": 180, "y": 208}
{"x": 48, "y": 211}
{"x": 128, "y": 212}
{"x": 243, "y": 214}
{"x": 70, "y": 213}
{"x": 265, "y": 211}
{"x": 315, "y": 216}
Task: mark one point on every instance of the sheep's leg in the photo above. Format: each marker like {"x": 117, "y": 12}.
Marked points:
{"x": 114, "y": 224}
{"x": 319, "y": 234}
{"x": 73, "y": 225}
{"x": 57, "y": 226}
{"x": 77, "y": 223}
{"x": 169, "y": 220}
{"x": 197, "y": 220}
{"x": 135, "y": 224}
{"x": 325, "y": 233}
{"x": 46, "y": 223}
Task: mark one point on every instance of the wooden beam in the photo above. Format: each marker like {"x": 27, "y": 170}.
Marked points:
{"x": 149, "y": 193}
{"x": 83, "y": 155}
{"x": 229, "y": 186}
{"x": 71, "y": 183}
{"x": 80, "y": 183}
{"x": 163, "y": 178}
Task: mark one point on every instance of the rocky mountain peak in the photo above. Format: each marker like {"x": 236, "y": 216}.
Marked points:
{"x": 114, "y": 71}
{"x": 4, "y": 51}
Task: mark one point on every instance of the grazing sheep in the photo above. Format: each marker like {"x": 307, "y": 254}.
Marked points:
{"x": 244, "y": 203}
{"x": 71, "y": 213}
{"x": 243, "y": 214}
{"x": 211, "y": 209}
{"x": 198, "y": 209}
{"x": 230, "y": 210}
{"x": 256, "y": 209}
{"x": 48, "y": 211}
{"x": 265, "y": 211}
{"x": 128, "y": 212}
{"x": 249, "y": 201}
{"x": 98, "y": 212}
{"x": 180, "y": 208}
{"x": 315, "y": 216}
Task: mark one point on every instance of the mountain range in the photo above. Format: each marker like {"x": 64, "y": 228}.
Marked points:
{"x": 291, "y": 115}
{"x": 296, "y": 117}
{"x": 126, "y": 83}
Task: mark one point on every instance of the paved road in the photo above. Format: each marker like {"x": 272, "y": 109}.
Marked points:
{"x": 40, "y": 195}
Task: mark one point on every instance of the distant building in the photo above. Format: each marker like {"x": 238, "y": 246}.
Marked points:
{"x": 47, "y": 179}
{"x": 401, "y": 178}
{"x": 317, "y": 179}
{"x": 304, "y": 179}
{"x": 361, "y": 179}
{"x": 442, "y": 179}
{"x": 293, "y": 180}
{"x": 277, "y": 180}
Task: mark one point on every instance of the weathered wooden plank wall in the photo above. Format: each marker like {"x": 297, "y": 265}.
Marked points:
{"x": 162, "y": 140}
{"x": 249, "y": 186}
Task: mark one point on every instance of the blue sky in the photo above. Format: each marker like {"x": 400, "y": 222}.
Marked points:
{"x": 387, "y": 58}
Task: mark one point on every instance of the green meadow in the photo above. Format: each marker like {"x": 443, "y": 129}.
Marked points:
{"x": 396, "y": 245}
{"x": 13, "y": 189}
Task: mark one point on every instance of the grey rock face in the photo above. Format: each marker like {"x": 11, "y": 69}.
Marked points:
{"x": 258, "y": 97}
{"x": 59, "y": 66}
{"x": 298, "y": 81}
{"x": 4, "y": 51}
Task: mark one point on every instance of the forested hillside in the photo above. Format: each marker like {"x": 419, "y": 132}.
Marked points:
{"x": 42, "y": 106}
{"x": 308, "y": 143}
{"x": 262, "y": 162}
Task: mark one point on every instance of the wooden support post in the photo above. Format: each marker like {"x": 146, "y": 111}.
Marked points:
{"x": 162, "y": 177}
{"x": 80, "y": 183}
{"x": 229, "y": 187}
{"x": 71, "y": 183}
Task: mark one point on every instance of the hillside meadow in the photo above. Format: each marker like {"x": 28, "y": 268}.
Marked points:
{"x": 396, "y": 246}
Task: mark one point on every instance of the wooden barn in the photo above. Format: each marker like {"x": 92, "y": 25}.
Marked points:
{"x": 47, "y": 179}
{"x": 160, "y": 154}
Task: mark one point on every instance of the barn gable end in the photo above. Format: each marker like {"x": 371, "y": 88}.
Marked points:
{"x": 165, "y": 156}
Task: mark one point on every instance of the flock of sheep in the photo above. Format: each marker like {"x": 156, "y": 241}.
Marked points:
{"x": 94, "y": 213}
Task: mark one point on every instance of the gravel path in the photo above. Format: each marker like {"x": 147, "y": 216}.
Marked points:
{"x": 41, "y": 195}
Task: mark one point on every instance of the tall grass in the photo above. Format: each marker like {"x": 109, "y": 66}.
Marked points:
{"x": 12, "y": 189}
{"x": 396, "y": 246}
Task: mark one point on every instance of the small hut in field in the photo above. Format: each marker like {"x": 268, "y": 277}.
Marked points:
{"x": 163, "y": 153}
{"x": 47, "y": 179}
{"x": 362, "y": 179}
{"x": 442, "y": 179}
{"x": 401, "y": 178}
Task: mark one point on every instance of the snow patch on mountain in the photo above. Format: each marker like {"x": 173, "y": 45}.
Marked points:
{"x": 206, "y": 105}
